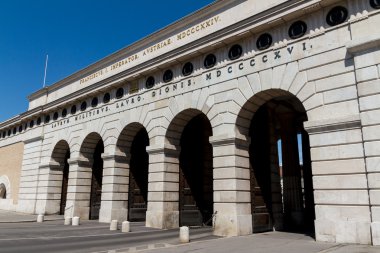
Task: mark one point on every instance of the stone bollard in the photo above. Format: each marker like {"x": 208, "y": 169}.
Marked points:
{"x": 68, "y": 221}
{"x": 125, "y": 227}
{"x": 113, "y": 225}
{"x": 184, "y": 236}
{"x": 76, "y": 221}
{"x": 40, "y": 218}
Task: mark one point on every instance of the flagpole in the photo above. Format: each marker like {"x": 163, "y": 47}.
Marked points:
{"x": 47, "y": 58}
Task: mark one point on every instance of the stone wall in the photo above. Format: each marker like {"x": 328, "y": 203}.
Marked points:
{"x": 11, "y": 161}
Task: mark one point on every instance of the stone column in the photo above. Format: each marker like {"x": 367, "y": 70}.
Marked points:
{"x": 79, "y": 188}
{"x": 293, "y": 201}
{"x": 114, "y": 205}
{"x": 232, "y": 194}
{"x": 49, "y": 188}
{"x": 163, "y": 188}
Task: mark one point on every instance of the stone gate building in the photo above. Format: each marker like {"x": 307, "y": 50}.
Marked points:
{"x": 183, "y": 126}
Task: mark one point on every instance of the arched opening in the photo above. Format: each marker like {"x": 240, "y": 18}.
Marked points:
{"x": 65, "y": 181}
{"x": 281, "y": 178}
{"x": 196, "y": 173}
{"x": 3, "y": 191}
{"x": 138, "y": 177}
{"x": 96, "y": 181}
{"x": 132, "y": 144}
{"x": 60, "y": 168}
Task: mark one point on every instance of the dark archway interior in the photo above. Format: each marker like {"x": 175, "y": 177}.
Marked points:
{"x": 65, "y": 181}
{"x": 96, "y": 181}
{"x": 196, "y": 177}
{"x": 138, "y": 177}
{"x": 281, "y": 182}
{"x": 3, "y": 191}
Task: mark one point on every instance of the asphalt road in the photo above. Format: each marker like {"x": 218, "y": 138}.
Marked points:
{"x": 89, "y": 237}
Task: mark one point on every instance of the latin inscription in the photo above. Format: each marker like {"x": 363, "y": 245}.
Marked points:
{"x": 164, "y": 91}
{"x": 155, "y": 48}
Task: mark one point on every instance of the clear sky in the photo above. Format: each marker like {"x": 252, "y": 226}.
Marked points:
{"x": 74, "y": 33}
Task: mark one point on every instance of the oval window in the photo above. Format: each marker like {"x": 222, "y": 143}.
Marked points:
{"x": 235, "y": 52}
{"x": 73, "y": 109}
{"x": 264, "y": 41}
{"x": 297, "y": 29}
{"x": 119, "y": 93}
{"x": 106, "y": 98}
{"x": 20, "y": 129}
{"x": 187, "y": 69}
{"x": 64, "y": 112}
{"x": 375, "y": 4}
{"x": 168, "y": 76}
{"x": 83, "y": 106}
{"x": 94, "y": 102}
{"x": 149, "y": 82}
{"x": 31, "y": 124}
{"x": 47, "y": 119}
{"x": 39, "y": 121}
{"x": 55, "y": 116}
{"x": 336, "y": 16}
{"x": 210, "y": 61}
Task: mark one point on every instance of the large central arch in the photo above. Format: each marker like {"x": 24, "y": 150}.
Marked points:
{"x": 281, "y": 182}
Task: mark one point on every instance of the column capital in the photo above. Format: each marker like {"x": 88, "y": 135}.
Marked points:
{"x": 167, "y": 149}
{"x": 228, "y": 140}
{"x": 50, "y": 165}
{"x": 81, "y": 161}
{"x": 117, "y": 157}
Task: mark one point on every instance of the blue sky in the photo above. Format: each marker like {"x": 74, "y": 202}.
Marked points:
{"x": 74, "y": 33}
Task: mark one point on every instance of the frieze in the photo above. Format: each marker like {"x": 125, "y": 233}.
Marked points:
{"x": 156, "y": 47}
{"x": 136, "y": 96}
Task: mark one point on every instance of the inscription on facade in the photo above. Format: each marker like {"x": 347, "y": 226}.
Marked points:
{"x": 154, "y": 48}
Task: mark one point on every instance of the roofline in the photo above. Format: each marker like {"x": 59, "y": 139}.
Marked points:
{"x": 135, "y": 46}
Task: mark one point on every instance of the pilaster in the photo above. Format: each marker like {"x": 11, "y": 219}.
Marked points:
{"x": 79, "y": 188}
{"x": 49, "y": 188}
{"x": 114, "y": 205}
{"x": 232, "y": 196}
{"x": 163, "y": 188}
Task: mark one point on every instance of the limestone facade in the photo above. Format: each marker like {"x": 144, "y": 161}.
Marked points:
{"x": 327, "y": 73}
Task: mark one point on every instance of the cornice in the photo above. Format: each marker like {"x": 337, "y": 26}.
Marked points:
{"x": 264, "y": 19}
{"x": 136, "y": 46}
{"x": 268, "y": 15}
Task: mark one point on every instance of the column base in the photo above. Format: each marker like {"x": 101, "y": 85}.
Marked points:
{"x": 82, "y": 212}
{"x": 375, "y": 233}
{"x": 106, "y": 215}
{"x": 47, "y": 206}
{"x": 343, "y": 231}
{"x": 232, "y": 225}
{"x": 162, "y": 220}
{"x": 26, "y": 206}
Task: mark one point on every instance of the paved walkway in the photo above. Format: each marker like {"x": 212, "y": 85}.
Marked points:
{"x": 272, "y": 242}
{"x": 11, "y": 217}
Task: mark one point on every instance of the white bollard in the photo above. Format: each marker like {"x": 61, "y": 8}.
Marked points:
{"x": 68, "y": 221}
{"x": 125, "y": 227}
{"x": 184, "y": 236}
{"x": 113, "y": 225}
{"x": 40, "y": 218}
{"x": 76, "y": 221}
